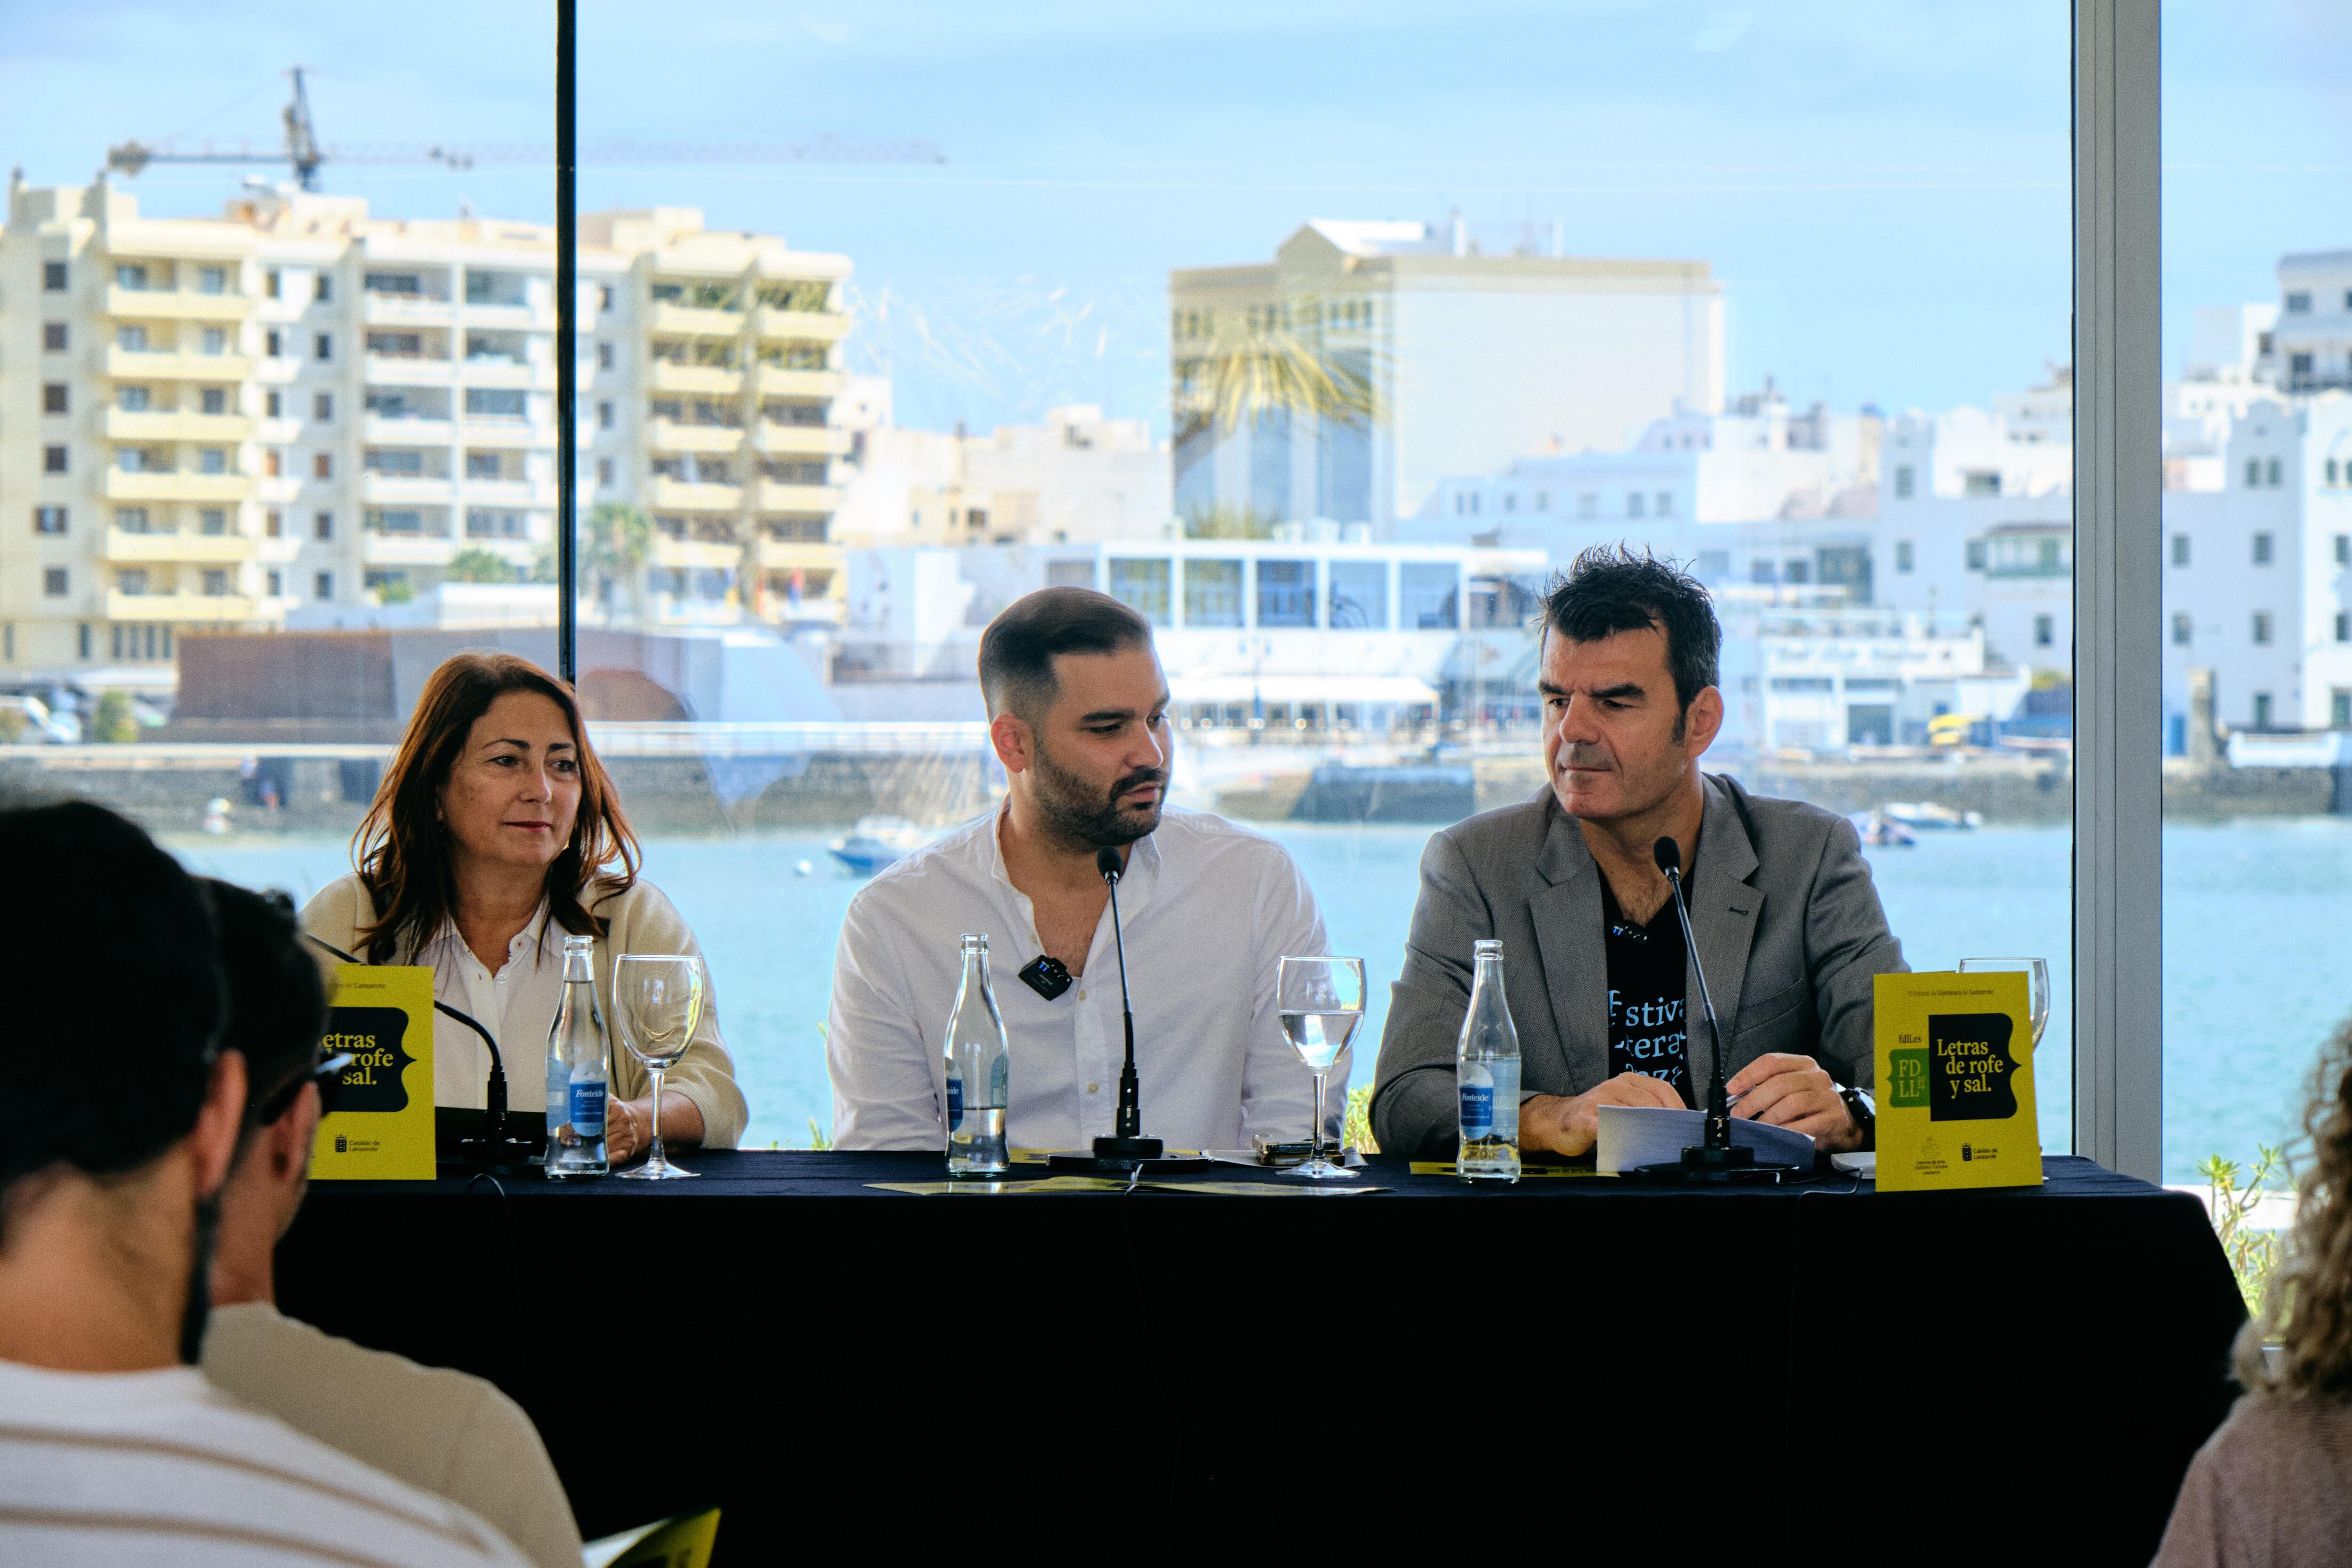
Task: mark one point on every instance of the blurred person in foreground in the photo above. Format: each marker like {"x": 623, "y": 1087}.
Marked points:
{"x": 2273, "y": 1488}
{"x": 495, "y": 831}
{"x": 441, "y": 1431}
{"x": 1787, "y": 924}
{"x": 1078, "y": 715}
{"x": 122, "y": 1120}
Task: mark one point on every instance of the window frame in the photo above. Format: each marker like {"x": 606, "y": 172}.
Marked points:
{"x": 2118, "y": 894}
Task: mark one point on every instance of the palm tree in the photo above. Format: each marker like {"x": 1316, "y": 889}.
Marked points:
{"x": 1276, "y": 370}
{"x": 619, "y": 539}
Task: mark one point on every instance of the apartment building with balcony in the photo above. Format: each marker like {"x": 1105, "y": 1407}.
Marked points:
{"x": 718, "y": 355}
{"x": 208, "y": 424}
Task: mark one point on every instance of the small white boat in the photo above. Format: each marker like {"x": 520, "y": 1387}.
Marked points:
{"x": 1926, "y": 816}
{"x": 878, "y": 842}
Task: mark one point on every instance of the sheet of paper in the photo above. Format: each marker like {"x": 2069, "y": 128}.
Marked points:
{"x": 1650, "y": 1135}
{"x": 1300, "y": 1189}
{"x": 1047, "y": 1185}
{"x": 1447, "y": 1168}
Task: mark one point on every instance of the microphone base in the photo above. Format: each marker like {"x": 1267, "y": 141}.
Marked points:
{"x": 1127, "y": 1157}
{"x": 1703, "y": 1166}
{"x": 501, "y": 1156}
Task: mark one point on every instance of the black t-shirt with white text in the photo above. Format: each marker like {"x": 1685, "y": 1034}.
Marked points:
{"x": 1648, "y": 994}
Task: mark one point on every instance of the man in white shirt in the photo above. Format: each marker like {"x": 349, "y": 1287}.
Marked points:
{"x": 1078, "y": 716}
{"x": 443, "y": 1431}
{"x": 123, "y": 1117}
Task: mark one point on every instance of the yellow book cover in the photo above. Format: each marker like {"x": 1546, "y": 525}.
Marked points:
{"x": 1955, "y": 1082}
{"x": 382, "y": 1128}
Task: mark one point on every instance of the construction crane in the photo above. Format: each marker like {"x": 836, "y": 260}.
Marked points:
{"x": 302, "y": 153}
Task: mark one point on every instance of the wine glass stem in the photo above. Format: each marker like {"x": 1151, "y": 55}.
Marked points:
{"x": 1315, "y": 1137}
{"x": 658, "y": 1159}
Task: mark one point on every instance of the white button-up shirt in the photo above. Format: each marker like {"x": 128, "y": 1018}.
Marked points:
{"x": 517, "y": 1004}
{"x": 1210, "y": 909}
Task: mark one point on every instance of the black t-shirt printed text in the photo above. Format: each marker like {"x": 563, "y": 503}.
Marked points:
{"x": 1648, "y": 996}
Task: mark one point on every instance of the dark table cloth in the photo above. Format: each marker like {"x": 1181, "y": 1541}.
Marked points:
{"x": 1807, "y": 1374}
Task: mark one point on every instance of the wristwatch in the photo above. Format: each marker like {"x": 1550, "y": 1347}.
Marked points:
{"x": 1864, "y": 1115}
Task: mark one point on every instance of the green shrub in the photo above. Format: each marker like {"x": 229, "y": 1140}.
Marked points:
{"x": 116, "y": 722}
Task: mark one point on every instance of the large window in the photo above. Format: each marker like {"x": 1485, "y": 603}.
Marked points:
{"x": 2257, "y": 722}
{"x": 862, "y": 357}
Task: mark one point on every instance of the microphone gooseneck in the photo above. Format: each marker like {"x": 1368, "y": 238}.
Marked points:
{"x": 1129, "y": 1122}
{"x": 1668, "y": 854}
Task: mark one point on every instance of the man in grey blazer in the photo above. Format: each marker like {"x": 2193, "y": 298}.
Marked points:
{"x": 1787, "y": 924}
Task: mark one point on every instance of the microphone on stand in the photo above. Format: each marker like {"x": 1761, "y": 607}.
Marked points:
{"x": 1126, "y": 1149}
{"x": 1717, "y": 1159}
{"x": 1127, "y": 1141}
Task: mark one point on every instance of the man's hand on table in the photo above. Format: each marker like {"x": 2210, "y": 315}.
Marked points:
{"x": 1571, "y": 1124}
{"x": 1793, "y": 1091}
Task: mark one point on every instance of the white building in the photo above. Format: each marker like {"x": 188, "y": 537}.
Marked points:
{"x": 1295, "y": 636}
{"x": 1758, "y": 494}
{"x": 2258, "y": 573}
{"x": 1473, "y": 359}
{"x": 2310, "y": 346}
{"x": 1076, "y": 477}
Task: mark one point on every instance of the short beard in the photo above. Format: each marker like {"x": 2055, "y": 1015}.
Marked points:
{"x": 196, "y": 1311}
{"x": 1076, "y": 816}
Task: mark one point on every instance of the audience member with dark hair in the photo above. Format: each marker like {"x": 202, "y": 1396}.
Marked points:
{"x": 2273, "y": 1489}
{"x": 442, "y": 1431}
{"x": 495, "y": 832}
{"x": 123, "y": 1115}
{"x": 1078, "y": 715}
{"x": 1787, "y": 924}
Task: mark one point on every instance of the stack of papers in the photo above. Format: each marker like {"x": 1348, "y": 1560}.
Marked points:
{"x": 1634, "y": 1135}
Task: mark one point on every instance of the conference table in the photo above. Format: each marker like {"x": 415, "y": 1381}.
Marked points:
{"x": 1227, "y": 1366}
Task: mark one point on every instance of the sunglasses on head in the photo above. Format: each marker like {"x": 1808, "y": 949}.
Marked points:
{"x": 327, "y": 1075}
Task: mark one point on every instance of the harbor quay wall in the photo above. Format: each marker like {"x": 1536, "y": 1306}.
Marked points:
{"x": 2016, "y": 792}
{"x": 327, "y": 788}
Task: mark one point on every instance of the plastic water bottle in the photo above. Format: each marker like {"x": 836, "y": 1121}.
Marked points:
{"x": 579, "y": 1070}
{"x": 977, "y": 1059}
{"x": 1486, "y": 1071}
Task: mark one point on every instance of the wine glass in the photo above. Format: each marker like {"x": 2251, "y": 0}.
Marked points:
{"x": 657, "y": 1003}
{"x": 2037, "y": 986}
{"x": 1321, "y": 1002}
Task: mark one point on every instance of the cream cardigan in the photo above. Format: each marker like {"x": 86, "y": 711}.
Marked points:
{"x": 642, "y": 921}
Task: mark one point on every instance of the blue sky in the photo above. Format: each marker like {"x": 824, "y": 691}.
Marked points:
{"x": 1880, "y": 186}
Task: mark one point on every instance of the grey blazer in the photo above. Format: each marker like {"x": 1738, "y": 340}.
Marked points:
{"x": 1782, "y": 905}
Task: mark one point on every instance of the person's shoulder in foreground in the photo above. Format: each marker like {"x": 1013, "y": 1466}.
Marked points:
{"x": 2272, "y": 1489}
{"x": 451, "y": 1434}
{"x": 160, "y": 1467}
{"x": 112, "y": 1159}
{"x": 443, "y": 1432}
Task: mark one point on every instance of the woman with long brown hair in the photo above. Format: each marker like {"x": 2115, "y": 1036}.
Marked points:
{"x": 495, "y": 824}
{"x": 2273, "y": 1489}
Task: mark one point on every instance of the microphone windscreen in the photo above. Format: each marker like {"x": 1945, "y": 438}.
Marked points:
{"x": 1107, "y": 863}
{"x": 1669, "y": 856}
